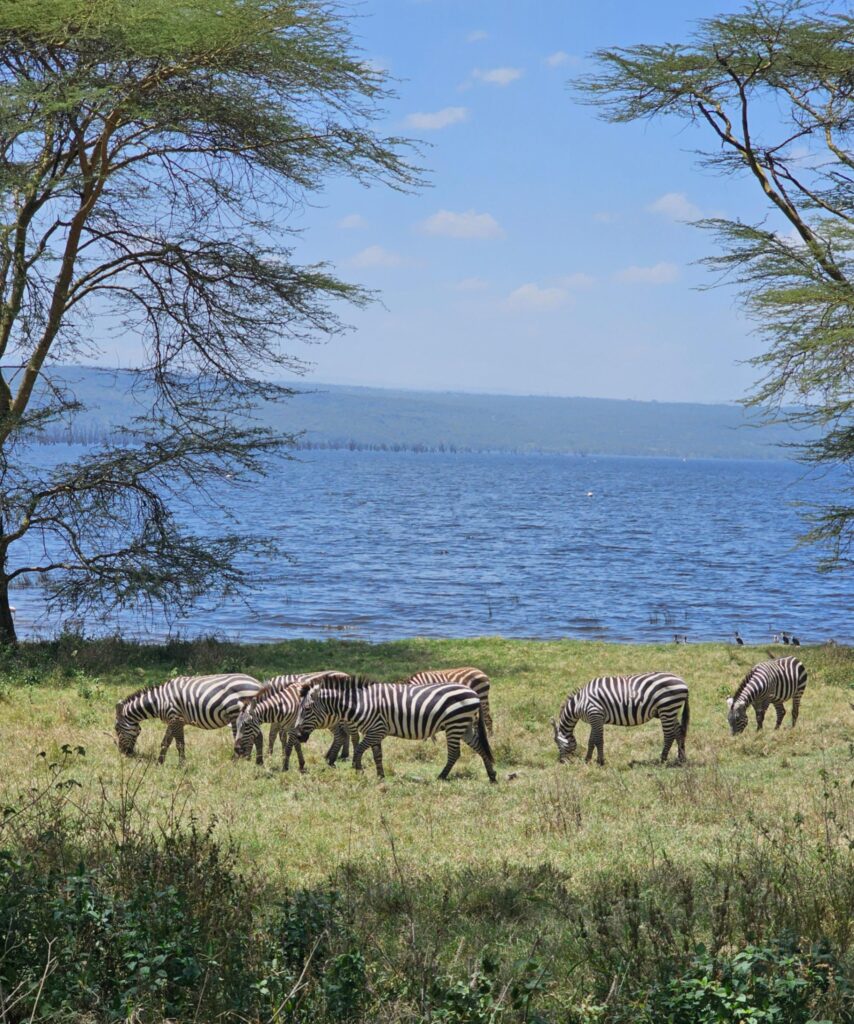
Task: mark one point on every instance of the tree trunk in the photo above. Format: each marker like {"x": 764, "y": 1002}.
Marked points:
{"x": 7, "y": 621}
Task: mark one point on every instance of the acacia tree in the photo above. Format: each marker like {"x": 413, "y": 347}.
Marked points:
{"x": 151, "y": 153}
{"x": 773, "y": 88}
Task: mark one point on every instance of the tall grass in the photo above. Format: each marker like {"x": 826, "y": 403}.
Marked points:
{"x": 722, "y": 892}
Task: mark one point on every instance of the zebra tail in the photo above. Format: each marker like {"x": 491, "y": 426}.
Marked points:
{"x": 482, "y": 737}
{"x": 686, "y": 718}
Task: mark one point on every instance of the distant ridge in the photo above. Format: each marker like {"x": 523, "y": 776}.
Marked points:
{"x": 364, "y": 417}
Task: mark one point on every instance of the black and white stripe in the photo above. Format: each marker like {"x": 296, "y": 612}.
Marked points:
{"x": 474, "y": 678}
{"x": 769, "y": 682}
{"x": 277, "y": 702}
{"x": 208, "y": 702}
{"x": 624, "y": 700}
{"x": 378, "y": 710}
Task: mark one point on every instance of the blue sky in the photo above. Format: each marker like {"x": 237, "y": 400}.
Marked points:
{"x": 550, "y": 254}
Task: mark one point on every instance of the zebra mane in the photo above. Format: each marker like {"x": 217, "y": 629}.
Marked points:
{"x": 343, "y": 681}
{"x": 740, "y": 688}
{"x": 139, "y": 693}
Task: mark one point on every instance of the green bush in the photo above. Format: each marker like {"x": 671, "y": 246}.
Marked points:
{"x": 772, "y": 984}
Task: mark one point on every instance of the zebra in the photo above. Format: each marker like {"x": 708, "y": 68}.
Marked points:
{"x": 624, "y": 700}
{"x": 208, "y": 702}
{"x": 769, "y": 682}
{"x": 378, "y": 710}
{"x": 277, "y": 702}
{"x": 471, "y": 677}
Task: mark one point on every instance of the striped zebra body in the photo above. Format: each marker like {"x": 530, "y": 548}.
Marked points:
{"x": 277, "y": 702}
{"x": 378, "y": 710}
{"x": 471, "y": 677}
{"x": 624, "y": 700}
{"x": 769, "y": 682}
{"x": 207, "y": 702}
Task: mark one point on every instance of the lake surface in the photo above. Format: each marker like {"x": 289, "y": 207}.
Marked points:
{"x": 386, "y": 545}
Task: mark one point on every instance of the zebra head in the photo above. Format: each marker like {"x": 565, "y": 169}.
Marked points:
{"x": 127, "y": 730}
{"x": 566, "y": 742}
{"x": 316, "y": 711}
{"x": 247, "y": 728}
{"x": 737, "y": 715}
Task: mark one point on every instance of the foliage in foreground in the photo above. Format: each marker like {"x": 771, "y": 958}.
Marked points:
{"x": 121, "y": 920}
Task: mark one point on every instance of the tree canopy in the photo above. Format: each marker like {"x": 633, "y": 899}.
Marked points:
{"x": 773, "y": 88}
{"x": 152, "y": 154}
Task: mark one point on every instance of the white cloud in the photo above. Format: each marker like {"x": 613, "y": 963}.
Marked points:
{"x": 577, "y": 281}
{"x": 497, "y": 76}
{"x": 376, "y": 256}
{"x": 462, "y": 225}
{"x": 352, "y": 220}
{"x": 440, "y": 119}
{"x": 660, "y": 273}
{"x": 472, "y": 284}
{"x": 533, "y": 297}
{"x": 605, "y": 217}
{"x": 477, "y": 36}
{"x": 556, "y": 59}
{"x": 675, "y": 206}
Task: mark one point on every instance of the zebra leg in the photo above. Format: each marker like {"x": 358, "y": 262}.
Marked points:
{"x": 166, "y": 742}
{"x": 259, "y": 748}
{"x": 297, "y": 746}
{"x": 453, "y": 754}
{"x": 179, "y": 740}
{"x": 473, "y": 739}
{"x": 372, "y": 740}
{"x": 377, "y": 751}
{"x": 671, "y": 731}
{"x": 287, "y": 747}
{"x": 760, "y": 715}
{"x": 596, "y": 741}
{"x": 274, "y": 732}
{"x": 796, "y": 707}
{"x": 780, "y": 708}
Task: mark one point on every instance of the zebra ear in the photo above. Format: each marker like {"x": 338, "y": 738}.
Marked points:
{"x": 729, "y": 702}
{"x": 304, "y": 690}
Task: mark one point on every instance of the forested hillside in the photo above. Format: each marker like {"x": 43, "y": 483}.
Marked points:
{"x": 335, "y": 416}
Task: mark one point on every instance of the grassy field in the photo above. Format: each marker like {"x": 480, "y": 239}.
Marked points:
{"x": 542, "y": 826}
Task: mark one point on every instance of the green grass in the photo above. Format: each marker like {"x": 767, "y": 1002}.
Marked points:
{"x": 576, "y": 818}
{"x": 566, "y": 893}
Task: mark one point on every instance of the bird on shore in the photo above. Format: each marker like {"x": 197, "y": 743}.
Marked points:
{"x": 680, "y": 638}
{"x": 795, "y": 642}
{"x": 785, "y": 637}
{"x": 738, "y": 639}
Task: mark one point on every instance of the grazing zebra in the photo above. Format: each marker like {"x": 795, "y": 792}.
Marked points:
{"x": 471, "y": 677}
{"x": 208, "y": 702}
{"x": 277, "y": 702}
{"x": 769, "y": 682}
{"x": 624, "y": 700}
{"x": 378, "y": 710}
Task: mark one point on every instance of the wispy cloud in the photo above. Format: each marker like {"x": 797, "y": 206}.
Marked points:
{"x": 376, "y": 256}
{"x": 534, "y": 297}
{"x": 577, "y": 281}
{"x": 351, "y": 221}
{"x": 440, "y": 119}
{"x": 605, "y": 217}
{"x": 472, "y": 284}
{"x": 497, "y": 76}
{"x": 675, "y": 206}
{"x": 477, "y": 36}
{"x": 462, "y": 225}
{"x": 660, "y": 273}
{"x": 559, "y": 57}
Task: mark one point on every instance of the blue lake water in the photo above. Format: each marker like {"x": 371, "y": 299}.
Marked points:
{"x": 388, "y": 545}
